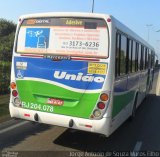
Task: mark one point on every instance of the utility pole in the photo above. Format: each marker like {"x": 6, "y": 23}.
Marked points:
{"x": 92, "y": 6}
{"x": 148, "y": 26}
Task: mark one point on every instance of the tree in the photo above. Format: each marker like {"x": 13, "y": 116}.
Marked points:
{"x": 6, "y": 27}
{"x": 7, "y": 33}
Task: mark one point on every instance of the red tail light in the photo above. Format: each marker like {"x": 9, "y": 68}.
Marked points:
{"x": 101, "y": 105}
{"x": 109, "y": 20}
{"x": 14, "y": 93}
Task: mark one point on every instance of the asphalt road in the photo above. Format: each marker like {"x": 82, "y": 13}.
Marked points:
{"x": 142, "y": 134}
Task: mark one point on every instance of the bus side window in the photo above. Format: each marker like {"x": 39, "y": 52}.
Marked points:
{"x": 129, "y": 55}
{"x": 152, "y": 59}
{"x": 146, "y": 58}
{"x": 134, "y": 57}
{"x": 149, "y": 58}
{"x": 139, "y": 57}
{"x": 137, "y": 51}
{"x": 142, "y": 50}
{"x": 156, "y": 61}
{"x": 123, "y": 53}
{"x": 118, "y": 36}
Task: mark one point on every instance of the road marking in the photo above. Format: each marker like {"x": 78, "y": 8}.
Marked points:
{"x": 13, "y": 127}
{"x": 136, "y": 149}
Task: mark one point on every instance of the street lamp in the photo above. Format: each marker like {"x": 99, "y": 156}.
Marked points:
{"x": 92, "y": 6}
{"x": 148, "y": 26}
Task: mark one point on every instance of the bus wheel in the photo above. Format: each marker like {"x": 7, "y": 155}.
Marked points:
{"x": 134, "y": 109}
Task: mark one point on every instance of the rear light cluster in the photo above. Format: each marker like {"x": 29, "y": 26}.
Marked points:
{"x": 16, "y": 100}
{"x": 101, "y": 106}
{"x": 14, "y": 93}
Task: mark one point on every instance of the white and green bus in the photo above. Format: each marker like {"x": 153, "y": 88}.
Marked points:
{"x": 78, "y": 70}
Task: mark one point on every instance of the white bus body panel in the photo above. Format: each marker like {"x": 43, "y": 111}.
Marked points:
{"x": 98, "y": 126}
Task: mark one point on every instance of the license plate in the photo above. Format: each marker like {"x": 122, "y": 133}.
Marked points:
{"x": 55, "y": 102}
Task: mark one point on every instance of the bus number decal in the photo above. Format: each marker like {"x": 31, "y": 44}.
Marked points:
{"x": 38, "y": 107}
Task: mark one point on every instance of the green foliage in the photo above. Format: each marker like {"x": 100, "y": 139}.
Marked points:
{"x": 6, "y": 27}
{"x": 7, "y": 33}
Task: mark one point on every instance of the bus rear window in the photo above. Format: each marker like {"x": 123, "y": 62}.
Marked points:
{"x": 64, "y": 36}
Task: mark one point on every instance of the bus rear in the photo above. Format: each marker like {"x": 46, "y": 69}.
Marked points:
{"x": 59, "y": 71}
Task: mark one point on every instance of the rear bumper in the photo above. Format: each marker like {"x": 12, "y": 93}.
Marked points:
{"x": 96, "y": 126}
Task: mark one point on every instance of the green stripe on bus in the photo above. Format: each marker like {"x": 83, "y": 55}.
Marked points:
{"x": 121, "y": 101}
{"x": 31, "y": 92}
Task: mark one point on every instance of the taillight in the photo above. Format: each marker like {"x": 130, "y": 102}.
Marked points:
{"x": 104, "y": 97}
{"x": 20, "y": 21}
{"x": 13, "y": 85}
{"x": 14, "y": 93}
{"x": 17, "y": 102}
{"x": 101, "y": 105}
{"x": 97, "y": 113}
{"x": 109, "y": 20}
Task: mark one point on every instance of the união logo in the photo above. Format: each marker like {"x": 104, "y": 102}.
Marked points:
{"x": 78, "y": 77}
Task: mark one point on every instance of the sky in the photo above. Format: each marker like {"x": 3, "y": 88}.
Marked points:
{"x": 136, "y": 14}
